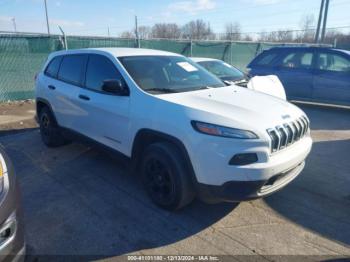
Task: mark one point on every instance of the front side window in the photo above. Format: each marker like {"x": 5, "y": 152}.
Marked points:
{"x": 99, "y": 69}
{"x": 222, "y": 70}
{"x": 72, "y": 68}
{"x": 302, "y": 60}
{"x": 168, "y": 74}
{"x": 53, "y": 67}
{"x": 333, "y": 62}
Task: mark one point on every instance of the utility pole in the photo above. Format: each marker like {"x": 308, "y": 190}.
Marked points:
{"x": 14, "y": 24}
{"x": 317, "y": 35}
{"x": 47, "y": 18}
{"x": 325, "y": 21}
{"x": 137, "y": 33}
{"x": 64, "y": 38}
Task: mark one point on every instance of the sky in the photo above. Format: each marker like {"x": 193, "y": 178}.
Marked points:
{"x": 92, "y": 17}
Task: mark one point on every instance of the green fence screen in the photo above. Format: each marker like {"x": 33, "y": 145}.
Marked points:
{"x": 22, "y": 56}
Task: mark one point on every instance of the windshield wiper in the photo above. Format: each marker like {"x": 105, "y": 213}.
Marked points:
{"x": 164, "y": 90}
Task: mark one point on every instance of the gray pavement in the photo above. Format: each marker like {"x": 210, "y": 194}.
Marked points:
{"x": 81, "y": 200}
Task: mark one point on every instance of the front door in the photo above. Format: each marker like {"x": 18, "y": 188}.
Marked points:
{"x": 104, "y": 117}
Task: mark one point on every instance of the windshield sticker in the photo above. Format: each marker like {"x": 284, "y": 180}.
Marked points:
{"x": 187, "y": 66}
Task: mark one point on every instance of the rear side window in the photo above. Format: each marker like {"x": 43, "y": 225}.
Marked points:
{"x": 100, "y": 68}
{"x": 333, "y": 62}
{"x": 53, "y": 67}
{"x": 266, "y": 58}
{"x": 71, "y": 69}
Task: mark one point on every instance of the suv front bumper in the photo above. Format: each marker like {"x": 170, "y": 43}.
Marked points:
{"x": 217, "y": 180}
{"x": 236, "y": 191}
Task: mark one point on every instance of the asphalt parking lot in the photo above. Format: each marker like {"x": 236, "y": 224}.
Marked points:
{"x": 83, "y": 201}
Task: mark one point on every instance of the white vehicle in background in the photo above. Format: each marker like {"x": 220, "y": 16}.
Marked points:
{"x": 185, "y": 131}
{"x": 231, "y": 75}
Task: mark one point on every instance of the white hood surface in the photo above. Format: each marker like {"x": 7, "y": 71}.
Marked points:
{"x": 238, "y": 104}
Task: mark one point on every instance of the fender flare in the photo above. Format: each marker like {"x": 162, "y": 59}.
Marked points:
{"x": 149, "y": 136}
{"x": 47, "y": 103}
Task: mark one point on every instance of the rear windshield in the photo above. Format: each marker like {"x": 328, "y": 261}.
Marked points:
{"x": 168, "y": 74}
{"x": 266, "y": 58}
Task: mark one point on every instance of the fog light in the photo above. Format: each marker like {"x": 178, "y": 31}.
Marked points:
{"x": 243, "y": 159}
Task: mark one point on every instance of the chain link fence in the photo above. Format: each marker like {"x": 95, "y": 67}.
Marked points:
{"x": 23, "y": 55}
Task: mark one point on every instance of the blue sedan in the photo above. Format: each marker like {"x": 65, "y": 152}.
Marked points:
{"x": 308, "y": 73}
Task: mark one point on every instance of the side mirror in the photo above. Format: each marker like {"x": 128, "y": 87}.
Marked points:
{"x": 116, "y": 87}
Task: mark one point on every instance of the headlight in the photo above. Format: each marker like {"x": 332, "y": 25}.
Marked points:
{"x": 215, "y": 130}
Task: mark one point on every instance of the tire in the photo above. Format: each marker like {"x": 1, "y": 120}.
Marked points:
{"x": 50, "y": 132}
{"x": 166, "y": 177}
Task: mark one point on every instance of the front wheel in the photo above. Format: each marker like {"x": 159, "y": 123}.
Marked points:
{"x": 166, "y": 177}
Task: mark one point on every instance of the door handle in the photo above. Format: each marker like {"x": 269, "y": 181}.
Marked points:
{"x": 84, "y": 97}
{"x": 51, "y": 87}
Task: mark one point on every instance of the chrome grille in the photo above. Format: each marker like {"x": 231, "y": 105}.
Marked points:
{"x": 290, "y": 133}
{"x": 285, "y": 135}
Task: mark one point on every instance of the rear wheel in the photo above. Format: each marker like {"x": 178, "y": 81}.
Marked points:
{"x": 166, "y": 177}
{"x": 50, "y": 132}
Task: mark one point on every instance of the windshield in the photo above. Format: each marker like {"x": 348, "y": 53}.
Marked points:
{"x": 223, "y": 70}
{"x": 168, "y": 74}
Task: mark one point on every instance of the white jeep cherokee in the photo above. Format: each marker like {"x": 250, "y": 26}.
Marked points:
{"x": 186, "y": 133}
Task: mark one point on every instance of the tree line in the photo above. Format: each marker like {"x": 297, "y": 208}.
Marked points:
{"x": 201, "y": 30}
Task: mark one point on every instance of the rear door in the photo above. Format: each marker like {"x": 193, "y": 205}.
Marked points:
{"x": 47, "y": 84}
{"x": 332, "y": 78}
{"x": 295, "y": 70}
{"x": 103, "y": 116}
{"x": 65, "y": 88}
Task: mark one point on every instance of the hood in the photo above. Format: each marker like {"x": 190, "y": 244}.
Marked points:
{"x": 236, "y": 107}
